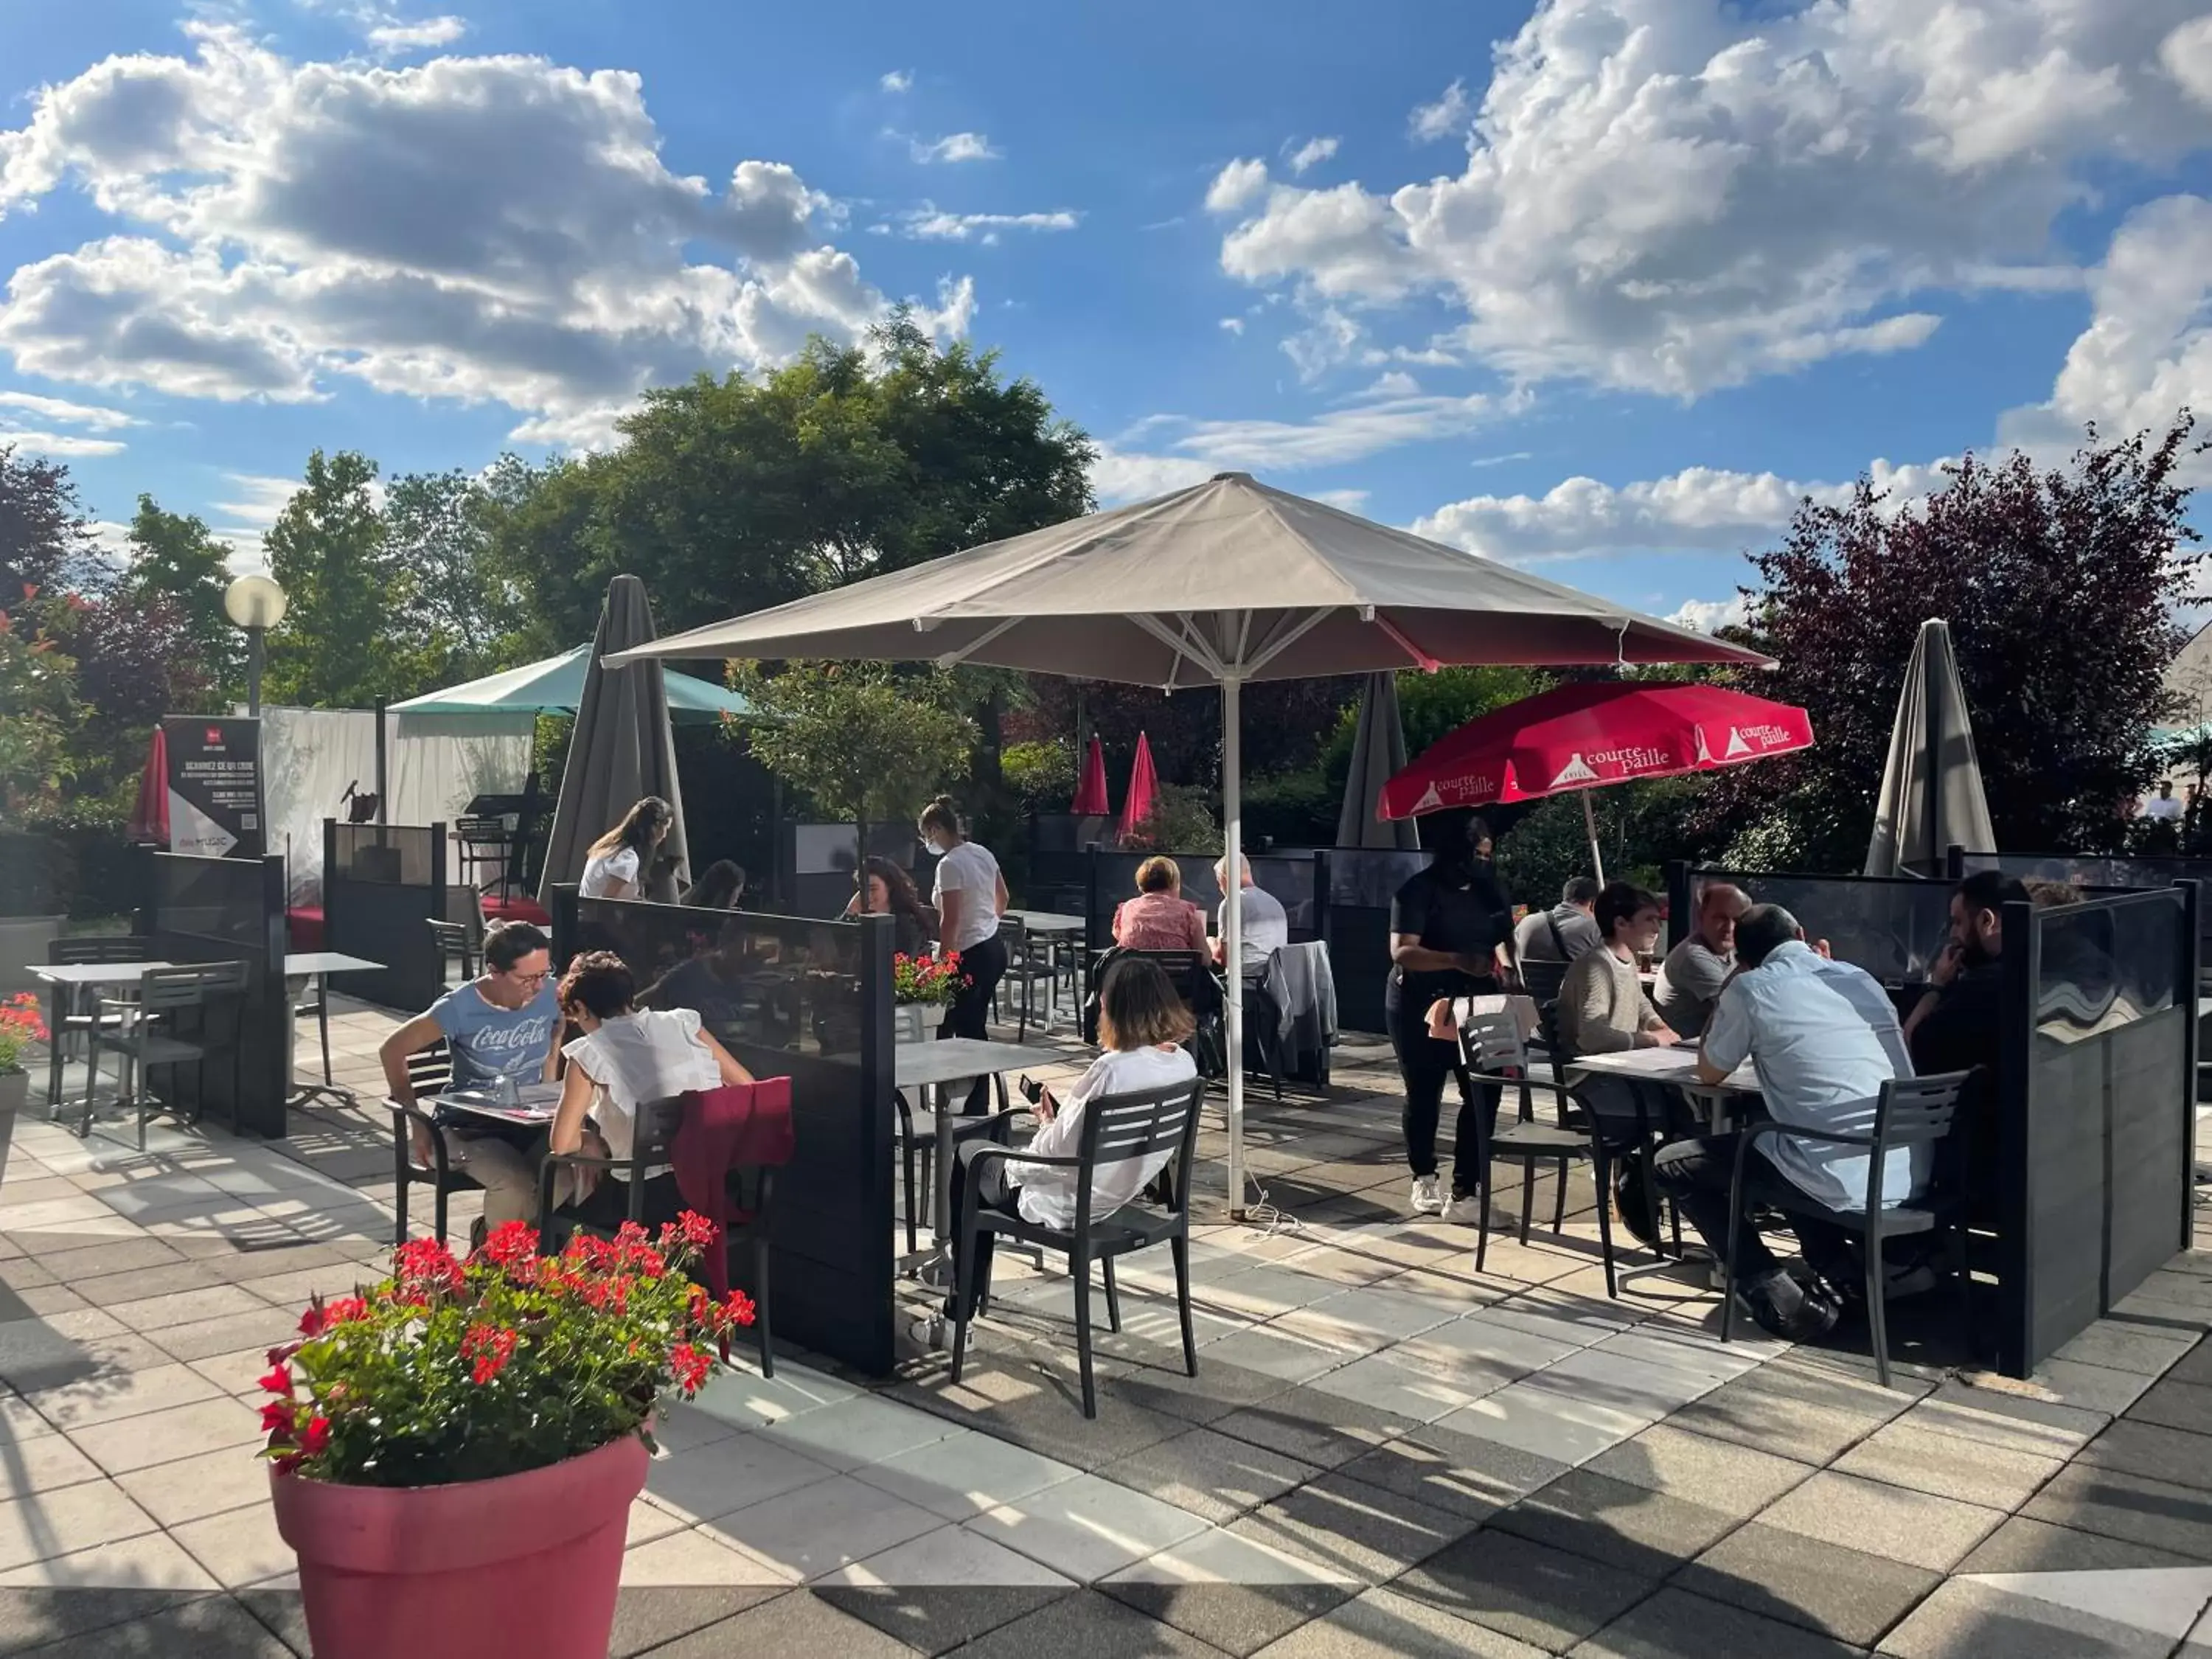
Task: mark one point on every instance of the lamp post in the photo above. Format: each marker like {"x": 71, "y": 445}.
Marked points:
{"x": 257, "y": 605}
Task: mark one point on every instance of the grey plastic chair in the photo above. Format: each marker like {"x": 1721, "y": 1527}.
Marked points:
{"x": 1117, "y": 1129}
{"x": 1909, "y": 1112}
{"x": 78, "y": 1016}
{"x": 146, "y": 1034}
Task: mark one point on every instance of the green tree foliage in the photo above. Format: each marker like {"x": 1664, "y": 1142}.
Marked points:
{"x": 45, "y": 543}
{"x": 868, "y": 745}
{"x": 329, "y": 551}
{"x": 175, "y": 559}
{"x": 39, "y": 716}
{"x": 453, "y": 616}
{"x": 2059, "y": 587}
{"x": 1042, "y": 774}
{"x": 731, "y": 495}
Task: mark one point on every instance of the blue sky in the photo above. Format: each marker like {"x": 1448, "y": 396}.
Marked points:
{"x": 1600, "y": 284}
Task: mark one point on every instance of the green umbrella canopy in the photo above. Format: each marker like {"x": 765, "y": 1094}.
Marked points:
{"x": 556, "y": 686}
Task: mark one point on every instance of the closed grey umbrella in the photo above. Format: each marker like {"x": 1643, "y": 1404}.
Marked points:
{"x": 1378, "y": 754}
{"x": 622, "y": 749}
{"x": 1931, "y": 789}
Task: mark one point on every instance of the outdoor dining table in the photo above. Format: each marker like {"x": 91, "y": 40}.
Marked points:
{"x": 929, "y": 1068}
{"x": 301, "y": 966}
{"x": 1677, "y": 1068}
{"x": 1054, "y": 931}
{"x": 65, "y": 982}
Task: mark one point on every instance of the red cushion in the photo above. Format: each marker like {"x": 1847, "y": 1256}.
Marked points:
{"x": 303, "y": 924}
{"x": 517, "y": 909}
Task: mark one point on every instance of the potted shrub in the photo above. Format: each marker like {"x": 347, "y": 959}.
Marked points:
{"x": 20, "y": 1027}
{"x": 921, "y": 986}
{"x": 453, "y": 1453}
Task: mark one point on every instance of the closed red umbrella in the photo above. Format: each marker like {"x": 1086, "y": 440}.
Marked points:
{"x": 1143, "y": 784}
{"x": 149, "y": 818}
{"x": 1581, "y": 736}
{"x": 1090, "y": 800}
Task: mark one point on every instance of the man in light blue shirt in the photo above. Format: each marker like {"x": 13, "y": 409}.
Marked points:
{"x": 1823, "y": 1038}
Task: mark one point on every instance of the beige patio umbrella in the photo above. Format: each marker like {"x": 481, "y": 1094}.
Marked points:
{"x": 1931, "y": 788}
{"x": 1227, "y": 583}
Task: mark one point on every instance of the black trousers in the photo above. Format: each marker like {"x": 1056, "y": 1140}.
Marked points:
{"x": 1425, "y": 1063}
{"x": 1696, "y": 1173}
{"x": 968, "y": 1014}
{"x": 993, "y": 1192}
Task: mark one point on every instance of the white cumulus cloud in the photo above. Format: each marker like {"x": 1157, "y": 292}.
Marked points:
{"x": 930, "y": 223}
{"x": 1312, "y": 154}
{"x": 897, "y": 81}
{"x": 1447, "y": 117}
{"x": 1671, "y": 196}
{"x": 1236, "y": 185}
{"x": 1710, "y": 615}
{"x": 954, "y": 147}
{"x": 432, "y": 31}
{"x": 67, "y": 413}
{"x": 497, "y": 229}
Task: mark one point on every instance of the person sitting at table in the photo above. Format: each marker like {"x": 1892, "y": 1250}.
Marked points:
{"x": 1264, "y": 926}
{"x": 502, "y": 1023}
{"x": 1159, "y": 918}
{"x": 1602, "y": 1006}
{"x": 1823, "y": 1038}
{"x": 1142, "y": 1024}
{"x": 1692, "y": 976}
{"x": 884, "y": 890}
{"x": 1957, "y": 1023}
{"x": 719, "y": 887}
{"x": 1565, "y": 931}
{"x": 626, "y": 1060}
{"x": 613, "y": 865}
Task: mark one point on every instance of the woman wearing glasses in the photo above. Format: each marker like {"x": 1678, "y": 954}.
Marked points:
{"x": 502, "y": 1023}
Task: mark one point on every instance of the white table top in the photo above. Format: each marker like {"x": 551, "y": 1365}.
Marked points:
{"x": 949, "y": 1059}
{"x": 1047, "y": 921}
{"x": 94, "y": 973}
{"x": 1676, "y": 1066}
{"x": 300, "y": 962}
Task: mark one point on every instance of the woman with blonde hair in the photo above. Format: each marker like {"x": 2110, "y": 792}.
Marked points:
{"x": 613, "y": 865}
{"x": 1159, "y": 918}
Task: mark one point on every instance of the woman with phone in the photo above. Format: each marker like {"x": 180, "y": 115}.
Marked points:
{"x": 1142, "y": 1024}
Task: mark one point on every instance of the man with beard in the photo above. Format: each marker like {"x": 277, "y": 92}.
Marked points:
{"x": 1956, "y": 1025}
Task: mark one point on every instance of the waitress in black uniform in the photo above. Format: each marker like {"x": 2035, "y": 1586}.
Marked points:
{"x": 1451, "y": 931}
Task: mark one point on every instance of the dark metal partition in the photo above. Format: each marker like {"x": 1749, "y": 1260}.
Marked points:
{"x": 381, "y": 883}
{"x": 809, "y": 999}
{"x": 1894, "y": 927}
{"x": 2096, "y": 1116}
{"x": 2090, "y": 872}
{"x": 230, "y": 911}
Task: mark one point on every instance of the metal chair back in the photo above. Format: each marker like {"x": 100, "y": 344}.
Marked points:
{"x": 431, "y": 1069}
{"x": 163, "y": 988}
{"x": 1130, "y": 1128}
{"x": 100, "y": 948}
{"x": 1544, "y": 980}
{"x": 1492, "y": 1043}
{"x": 1918, "y": 1111}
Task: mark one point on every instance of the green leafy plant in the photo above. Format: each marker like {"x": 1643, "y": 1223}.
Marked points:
{"x": 1041, "y": 773}
{"x": 452, "y": 1371}
{"x": 1182, "y": 820}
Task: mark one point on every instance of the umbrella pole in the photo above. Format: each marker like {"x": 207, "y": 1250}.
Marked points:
{"x": 1232, "y": 929}
{"x": 1589, "y": 828}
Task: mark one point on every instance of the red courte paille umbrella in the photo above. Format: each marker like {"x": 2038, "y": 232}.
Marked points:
{"x": 1582, "y": 736}
{"x": 1143, "y": 784}
{"x": 1090, "y": 800}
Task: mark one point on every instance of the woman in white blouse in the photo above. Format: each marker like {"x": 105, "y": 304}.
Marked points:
{"x": 615, "y": 864}
{"x": 625, "y": 1060}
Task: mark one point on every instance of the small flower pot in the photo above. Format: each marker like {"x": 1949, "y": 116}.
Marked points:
{"x": 916, "y": 1022}
{"x": 526, "y": 1564}
{"x": 15, "y": 1094}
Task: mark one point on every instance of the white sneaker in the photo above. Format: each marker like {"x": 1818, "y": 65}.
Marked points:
{"x": 1464, "y": 1211}
{"x": 1428, "y": 1195}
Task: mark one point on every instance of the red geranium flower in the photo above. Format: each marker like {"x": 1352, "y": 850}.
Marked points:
{"x": 276, "y": 1414}
{"x": 316, "y": 1435}
{"x": 425, "y": 1263}
{"x": 491, "y": 1347}
{"x": 278, "y": 1380}
{"x": 509, "y": 1243}
{"x": 690, "y": 1367}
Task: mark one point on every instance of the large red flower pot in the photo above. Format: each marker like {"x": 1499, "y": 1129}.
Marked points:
{"x": 527, "y": 1563}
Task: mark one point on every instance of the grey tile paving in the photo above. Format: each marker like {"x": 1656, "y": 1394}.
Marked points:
{"x": 1892, "y": 1522}
{"x": 38, "y": 1618}
{"x": 1903, "y": 1453}
{"x": 2148, "y": 1449}
{"x": 934, "y": 1618}
{"x": 1677, "y": 1625}
{"x": 211, "y": 1627}
{"x": 1527, "y": 1590}
{"x": 1210, "y": 1474}
{"x": 1384, "y": 1625}
{"x": 1093, "y": 1625}
{"x": 1641, "y": 1531}
{"x": 1237, "y": 1619}
{"x": 2175, "y": 1404}
{"x": 2022, "y": 1545}
{"x": 1793, "y": 1413}
{"x": 1719, "y": 1474}
{"x": 2132, "y": 1507}
{"x": 1312, "y": 1426}
{"x": 1367, "y": 1532}
{"x": 1966, "y": 1621}
{"x": 794, "y": 1623}
{"x": 1462, "y": 1474}
{"x": 1785, "y": 1576}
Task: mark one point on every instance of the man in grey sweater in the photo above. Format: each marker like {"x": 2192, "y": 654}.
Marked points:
{"x": 1691, "y": 978}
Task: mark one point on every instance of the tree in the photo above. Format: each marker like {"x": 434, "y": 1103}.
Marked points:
{"x": 454, "y": 614}
{"x": 328, "y": 551}
{"x": 2059, "y": 587}
{"x": 175, "y": 559}
{"x": 867, "y": 744}
{"x": 38, "y": 713}
{"x": 46, "y": 541}
{"x": 731, "y": 495}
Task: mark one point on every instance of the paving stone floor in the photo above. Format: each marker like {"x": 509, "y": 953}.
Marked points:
{"x": 1383, "y": 1453}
